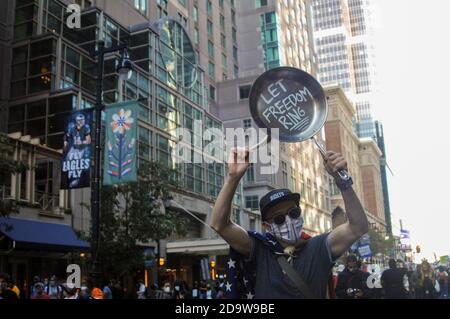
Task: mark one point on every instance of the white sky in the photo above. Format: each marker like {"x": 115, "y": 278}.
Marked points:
{"x": 413, "y": 56}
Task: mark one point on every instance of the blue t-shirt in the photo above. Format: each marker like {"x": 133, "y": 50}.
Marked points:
{"x": 313, "y": 263}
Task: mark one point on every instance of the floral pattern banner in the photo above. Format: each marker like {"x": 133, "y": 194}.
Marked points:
{"x": 120, "y": 143}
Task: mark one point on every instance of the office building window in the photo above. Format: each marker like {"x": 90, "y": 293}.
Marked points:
{"x": 223, "y": 41}
{"x": 162, "y": 8}
{"x": 196, "y": 36}
{"x": 244, "y": 92}
{"x": 235, "y": 53}
{"x": 212, "y": 92}
{"x": 250, "y": 174}
{"x": 209, "y": 8}
{"x": 141, "y": 6}
{"x": 222, "y": 22}
{"x": 224, "y": 61}
{"x": 261, "y": 3}
{"x": 211, "y": 49}
{"x": 195, "y": 13}
{"x": 252, "y": 202}
{"x": 209, "y": 28}
{"x": 211, "y": 70}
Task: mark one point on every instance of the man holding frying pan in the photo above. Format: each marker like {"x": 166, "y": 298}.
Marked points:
{"x": 286, "y": 265}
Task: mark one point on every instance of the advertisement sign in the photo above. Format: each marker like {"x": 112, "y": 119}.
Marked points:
{"x": 77, "y": 150}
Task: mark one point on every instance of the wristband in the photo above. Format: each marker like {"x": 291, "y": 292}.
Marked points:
{"x": 343, "y": 185}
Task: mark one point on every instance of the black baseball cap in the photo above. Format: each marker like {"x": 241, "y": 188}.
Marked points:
{"x": 274, "y": 197}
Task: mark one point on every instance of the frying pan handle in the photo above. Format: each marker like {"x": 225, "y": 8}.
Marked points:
{"x": 343, "y": 174}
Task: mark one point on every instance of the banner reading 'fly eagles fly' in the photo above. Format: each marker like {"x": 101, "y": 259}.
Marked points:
{"x": 76, "y": 162}
{"x": 120, "y": 143}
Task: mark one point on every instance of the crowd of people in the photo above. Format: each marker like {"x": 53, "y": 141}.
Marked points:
{"x": 398, "y": 281}
{"x": 54, "y": 289}
{"x": 349, "y": 280}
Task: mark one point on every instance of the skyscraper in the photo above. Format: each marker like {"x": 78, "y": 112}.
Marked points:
{"x": 342, "y": 32}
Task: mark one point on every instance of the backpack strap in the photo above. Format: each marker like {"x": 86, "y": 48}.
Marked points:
{"x": 295, "y": 277}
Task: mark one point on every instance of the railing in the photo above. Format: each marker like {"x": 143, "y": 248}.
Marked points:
{"x": 46, "y": 201}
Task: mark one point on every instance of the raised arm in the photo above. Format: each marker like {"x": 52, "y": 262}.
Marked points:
{"x": 232, "y": 233}
{"x": 343, "y": 236}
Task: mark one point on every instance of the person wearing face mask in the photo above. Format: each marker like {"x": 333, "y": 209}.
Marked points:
{"x": 285, "y": 265}
{"x": 352, "y": 282}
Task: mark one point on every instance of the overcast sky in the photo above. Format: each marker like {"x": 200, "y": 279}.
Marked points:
{"x": 413, "y": 56}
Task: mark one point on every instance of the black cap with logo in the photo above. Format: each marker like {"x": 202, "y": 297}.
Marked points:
{"x": 274, "y": 197}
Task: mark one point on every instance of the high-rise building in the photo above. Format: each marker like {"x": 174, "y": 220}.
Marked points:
{"x": 342, "y": 32}
{"x": 345, "y": 56}
{"x": 384, "y": 182}
{"x": 362, "y": 157}
{"x": 276, "y": 33}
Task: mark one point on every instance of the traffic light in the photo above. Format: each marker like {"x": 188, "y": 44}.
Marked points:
{"x": 418, "y": 249}
{"x": 213, "y": 263}
{"x": 162, "y": 261}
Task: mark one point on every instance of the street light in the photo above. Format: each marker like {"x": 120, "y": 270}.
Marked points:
{"x": 124, "y": 68}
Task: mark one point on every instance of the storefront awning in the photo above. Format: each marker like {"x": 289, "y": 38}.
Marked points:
{"x": 34, "y": 234}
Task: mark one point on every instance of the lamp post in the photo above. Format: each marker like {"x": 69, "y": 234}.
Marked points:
{"x": 124, "y": 68}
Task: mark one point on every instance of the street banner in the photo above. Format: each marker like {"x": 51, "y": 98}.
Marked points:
{"x": 365, "y": 251}
{"x": 77, "y": 150}
{"x": 405, "y": 243}
{"x": 120, "y": 143}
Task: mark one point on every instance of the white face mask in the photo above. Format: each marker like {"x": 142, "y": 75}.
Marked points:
{"x": 167, "y": 289}
{"x": 289, "y": 231}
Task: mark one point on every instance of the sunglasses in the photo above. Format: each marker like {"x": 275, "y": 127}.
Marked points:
{"x": 293, "y": 213}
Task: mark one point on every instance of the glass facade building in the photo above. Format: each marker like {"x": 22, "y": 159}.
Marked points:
{"x": 342, "y": 30}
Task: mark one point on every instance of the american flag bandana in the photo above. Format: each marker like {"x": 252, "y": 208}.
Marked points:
{"x": 241, "y": 274}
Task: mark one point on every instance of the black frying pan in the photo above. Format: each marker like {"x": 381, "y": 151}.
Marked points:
{"x": 292, "y": 101}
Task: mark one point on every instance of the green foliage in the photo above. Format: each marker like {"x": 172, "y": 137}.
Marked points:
{"x": 133, "y": 213}
{"x": 379, "y": 243}
{"x": 7, "y": 167}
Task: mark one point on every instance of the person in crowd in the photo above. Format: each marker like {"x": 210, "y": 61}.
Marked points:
{"x": 53, "y": 290}
{"x": 195, "y": 294}
{"x": 393, "y": 281}
{"x": 210, "y": 294}
{"x": 117, "y": 290}
{"x": 352, "y": 282}
{"x": 69, "y": 292}
{"x": 141, "y": 290}
{"x": 6, "y": 292}
{"x": 107, "y": 292}
{"x": 40, "y": 293}
{"x": 36, "y": 279}
{"x": 283, "y": 223}
{"x": 424, "y": 282}
{"x": 12, "y": 285}
{"x": 166, "y": 292}
{"x": 443, "y": 282}
{"x": 202, "y": 289}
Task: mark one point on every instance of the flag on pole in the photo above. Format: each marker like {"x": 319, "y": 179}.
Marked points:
{"x": 120, "y": 143}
